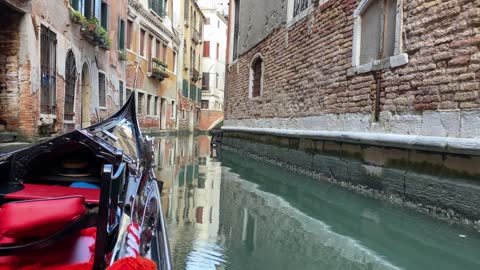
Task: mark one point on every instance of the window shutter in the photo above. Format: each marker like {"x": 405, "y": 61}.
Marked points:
{"x": 74, "y": 4}
{"x": 206, "y": 49}
{"x": 161, "y": 11}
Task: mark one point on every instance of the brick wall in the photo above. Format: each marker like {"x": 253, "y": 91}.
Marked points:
{"x": 306, "y": 66}
{"x": 185, "y": 104}
{"x": 9, "y": 81}
{"x": 208, "y": 118}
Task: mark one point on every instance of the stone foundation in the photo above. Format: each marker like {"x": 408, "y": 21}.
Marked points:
{"x": 427, "y": 179}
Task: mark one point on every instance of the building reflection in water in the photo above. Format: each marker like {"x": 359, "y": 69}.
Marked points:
{"x": 191, "y": 199}
{"x": 244, "y": 214}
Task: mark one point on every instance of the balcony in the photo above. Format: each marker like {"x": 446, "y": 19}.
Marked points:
{"x": 195, "y": 75}
{"x": 159, "y": 69}
{"x": 196, "y": 37}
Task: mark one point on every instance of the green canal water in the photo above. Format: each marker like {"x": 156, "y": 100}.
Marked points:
{"x": 231, "y": 212}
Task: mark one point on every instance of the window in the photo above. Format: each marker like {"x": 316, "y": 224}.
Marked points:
{"x": 121, "y": 34}
{"x": 205, "y": 81}
{"x": 207, "y": 21}
{"x": 206, "y": 49}
{"x": 235, "y": 28}
{"x": 204, "y": 104}
{"x": 256, "y": 77}
{"x": 185, "y": 11}
{"x": 377, "y": 35}
{"x": 141, "y": 103}
{"x": 149, "y": 52}
{"x": 299, "y": 6}
{"x": 120, "y": 92}
{"x": 149, "y": 104}
{"x": 174, "y": 64}
{"x": 129, "y": 34}
{"x": 158, "y": 6}
{"x": 158, "y": 48}
{"x": 174, "y": 110}
{"x": 164, "y": 53}
{"x": 70, "y": 80}
{"x": 155, "y": 108}
{"x": 216, "y": 80}
{"x": 218, "y": 52}
{"x": 48, "y": 58}
{"x": 102, "y": 101}
{"x": 142, "y": 42}
{"x": 104, "y": 15}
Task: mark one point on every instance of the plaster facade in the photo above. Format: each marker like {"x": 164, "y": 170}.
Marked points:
{"x": 20, "y": 79}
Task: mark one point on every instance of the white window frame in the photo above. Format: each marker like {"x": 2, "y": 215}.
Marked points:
{"x": 398, "y": 59}
{"x": 292, "y": 20}
{"x": 250, "y": 76}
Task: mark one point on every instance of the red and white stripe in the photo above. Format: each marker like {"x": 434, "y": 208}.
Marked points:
{"x": 133, "y": 240}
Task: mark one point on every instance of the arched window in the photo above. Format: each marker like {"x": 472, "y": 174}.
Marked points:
{"x": 70, "y": 79}
{"x": 256, "y": 77}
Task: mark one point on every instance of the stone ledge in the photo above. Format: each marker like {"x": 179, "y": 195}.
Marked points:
{"x": 464, "y": 146}
{"x": 391, "y": 62}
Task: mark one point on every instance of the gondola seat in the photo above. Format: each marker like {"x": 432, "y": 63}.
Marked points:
{"x": 23, "y": 222}
{"x": 39, "y": 191}
{"x": 33, "y": 219}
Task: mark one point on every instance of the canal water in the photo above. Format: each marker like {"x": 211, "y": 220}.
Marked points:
{"x": 224, "y": 211}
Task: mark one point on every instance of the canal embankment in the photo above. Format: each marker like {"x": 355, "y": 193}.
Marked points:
{"x": 437, "y": 176}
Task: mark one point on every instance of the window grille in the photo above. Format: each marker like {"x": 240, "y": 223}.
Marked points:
{"x": 48, "y": 58}
{"x": 70, "y": 80}
{"x": 299, "y": 6}
{"x": 101, "y": 90}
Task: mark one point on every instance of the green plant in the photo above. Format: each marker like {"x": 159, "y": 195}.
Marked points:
{"x": 122, "y": 55}
{"x": 77, "y": 17}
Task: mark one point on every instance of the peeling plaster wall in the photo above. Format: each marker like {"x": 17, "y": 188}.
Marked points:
{"x": 258, "y": 19}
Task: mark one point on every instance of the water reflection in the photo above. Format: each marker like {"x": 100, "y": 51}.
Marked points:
{"x": 243, "y": 214}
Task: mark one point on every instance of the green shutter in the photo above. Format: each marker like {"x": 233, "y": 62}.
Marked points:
{"x": 121, "y": 34}
{"x": 199, "y": 94}
{"x": 193, "y": 92}
{"x": 74, "y": 4}
{"x": 185, "y": 88}
{"x": 104, "y": 16}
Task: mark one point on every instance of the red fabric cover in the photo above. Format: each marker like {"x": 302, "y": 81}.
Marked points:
{"x": 39, "y": 218}
{"x": 35, "y": 191}
{"x": 73, "y": 252}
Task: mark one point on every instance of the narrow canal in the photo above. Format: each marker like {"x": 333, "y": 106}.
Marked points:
{"x": 230, "y": 212}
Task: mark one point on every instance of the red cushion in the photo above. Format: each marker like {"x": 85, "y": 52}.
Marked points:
{"x": 39, "y": 218}
{"x": 36, "y": 191}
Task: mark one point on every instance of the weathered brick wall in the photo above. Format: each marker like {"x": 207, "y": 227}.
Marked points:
{"x": 185, "y": 104}
{"x": 9, "y": 81}
{"x": 306, "y": 65}
{"x": 208, "y": 118}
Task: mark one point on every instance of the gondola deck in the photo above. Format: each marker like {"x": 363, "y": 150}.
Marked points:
{"x": 109, "y": 167}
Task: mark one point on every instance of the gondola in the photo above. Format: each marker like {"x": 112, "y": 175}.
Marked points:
{"x": 87, "y": 199}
